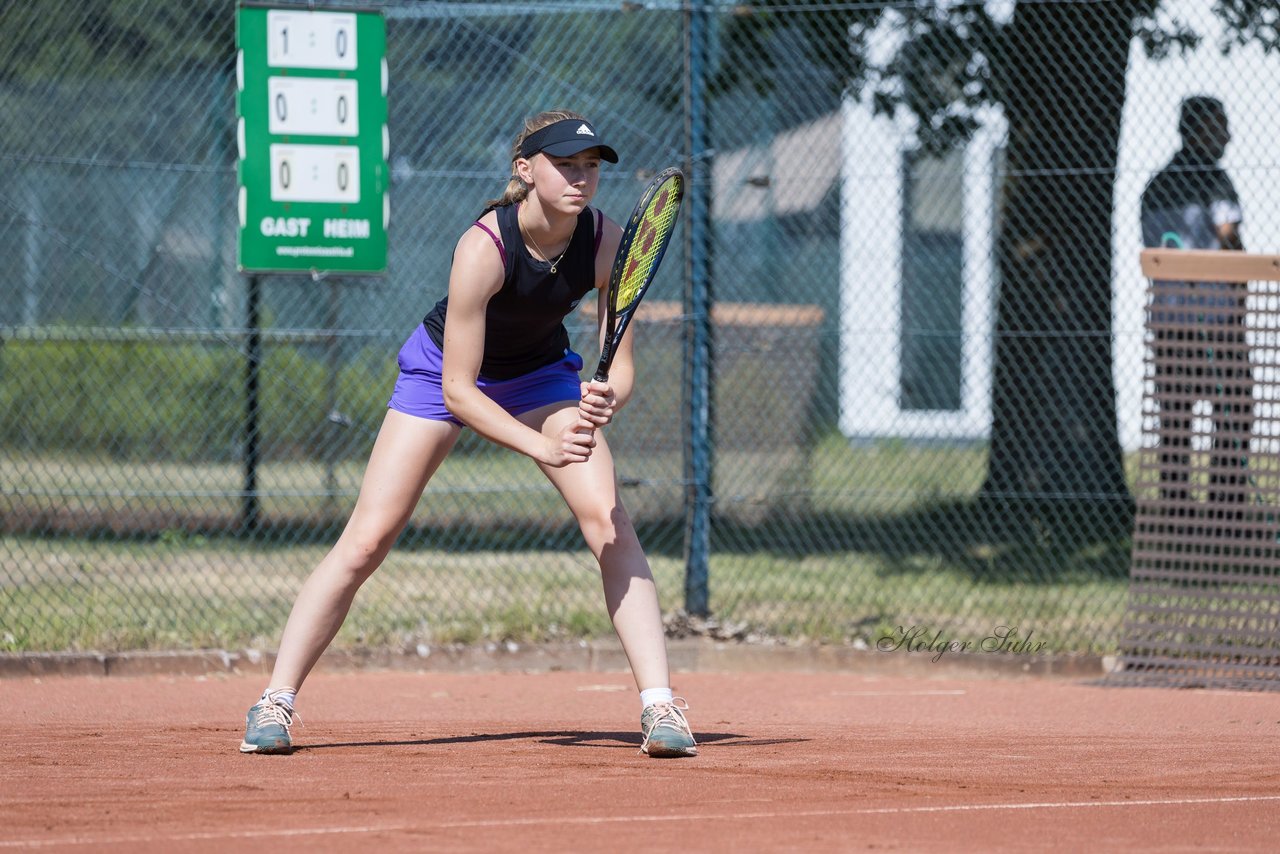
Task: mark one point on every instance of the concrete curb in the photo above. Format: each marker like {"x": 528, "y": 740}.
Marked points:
{"x": 689, "y": 656}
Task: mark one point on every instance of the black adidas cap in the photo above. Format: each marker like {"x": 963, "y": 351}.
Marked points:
{"x": 566, "y": 138}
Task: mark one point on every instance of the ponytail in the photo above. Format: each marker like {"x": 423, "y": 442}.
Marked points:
{"x": 515, "y": 192}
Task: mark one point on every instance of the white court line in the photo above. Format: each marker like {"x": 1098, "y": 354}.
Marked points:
{"x": 864, "y": 811}
{"x": 194, "y": 837}
{"x": 627, "y": 819}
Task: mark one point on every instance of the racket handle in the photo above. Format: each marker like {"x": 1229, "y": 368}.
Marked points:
{"x": 600, "y": 377}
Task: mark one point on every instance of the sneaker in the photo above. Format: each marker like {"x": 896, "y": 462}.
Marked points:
{"x": 267, "y": 728}
{"x": 665, "y": 732}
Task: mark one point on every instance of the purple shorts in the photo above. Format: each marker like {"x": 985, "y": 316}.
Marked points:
{"x": 419, "y": 388}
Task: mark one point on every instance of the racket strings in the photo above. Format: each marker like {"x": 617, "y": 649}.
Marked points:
{"x": 656, "y": 225}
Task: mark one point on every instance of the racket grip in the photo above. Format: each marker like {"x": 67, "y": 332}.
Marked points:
{"x": 600, "y": 377}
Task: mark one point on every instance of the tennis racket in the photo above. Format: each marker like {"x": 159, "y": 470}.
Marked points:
{"x": 644, "y": 240}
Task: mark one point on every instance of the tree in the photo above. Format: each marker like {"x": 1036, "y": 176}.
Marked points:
{"x": 1057, "y": 70}
{"x": 1060, "y": 77}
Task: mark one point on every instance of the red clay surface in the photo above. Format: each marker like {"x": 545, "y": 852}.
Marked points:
{"x": 540, "y": 762}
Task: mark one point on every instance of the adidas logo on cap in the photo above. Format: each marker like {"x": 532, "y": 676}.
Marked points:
{"x": 584, "y": 130}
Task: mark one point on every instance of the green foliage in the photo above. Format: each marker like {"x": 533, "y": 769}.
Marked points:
{"x": 43, "y": 38}
{"x": 953, "y": 59}
{"x": 218, "y": 595}
{"x": 760, "y": 40}
{"x": 1250, "y": 21}
{"x": 158, "y": 401}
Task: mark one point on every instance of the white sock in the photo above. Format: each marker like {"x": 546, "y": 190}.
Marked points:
{"x": 649, "y": 696}
{"x": 280, "y": 696}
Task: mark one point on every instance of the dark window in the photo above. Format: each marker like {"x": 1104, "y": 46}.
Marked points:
{"x": 932, "y": 282}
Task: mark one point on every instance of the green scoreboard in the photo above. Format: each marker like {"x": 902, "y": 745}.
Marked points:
{"x": 311, "y": 132}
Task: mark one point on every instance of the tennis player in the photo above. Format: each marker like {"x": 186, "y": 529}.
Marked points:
{"x": 494, "y": 356}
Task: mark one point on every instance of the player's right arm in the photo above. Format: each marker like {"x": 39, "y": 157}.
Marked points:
{"x": 477, "y": 275}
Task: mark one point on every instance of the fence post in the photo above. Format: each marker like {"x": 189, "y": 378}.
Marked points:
{"x": 253, "y": 363}
{"x": 697, "y": 298}
{"x": 333, "y": 418}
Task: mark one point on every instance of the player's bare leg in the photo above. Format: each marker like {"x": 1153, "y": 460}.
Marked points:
{"x": 591, "y": 491}
{"x": 407, "y": 452}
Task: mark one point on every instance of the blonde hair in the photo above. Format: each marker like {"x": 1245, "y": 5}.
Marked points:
{"x": 517, "y": 190}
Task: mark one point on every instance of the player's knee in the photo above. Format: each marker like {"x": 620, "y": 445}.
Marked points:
{"x": 362, "y": 552}
{"x": 603, "y": 526}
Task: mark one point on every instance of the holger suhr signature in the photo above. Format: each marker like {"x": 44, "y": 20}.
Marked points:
{"x": 1006, "y": 639}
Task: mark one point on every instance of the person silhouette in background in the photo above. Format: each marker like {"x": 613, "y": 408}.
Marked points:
{"x": 1198, "y": 328}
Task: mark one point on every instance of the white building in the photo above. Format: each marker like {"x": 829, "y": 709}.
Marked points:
{"x": 945, "y": 210}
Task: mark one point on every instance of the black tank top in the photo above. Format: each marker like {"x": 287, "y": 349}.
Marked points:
{"x": 524, "y": 322}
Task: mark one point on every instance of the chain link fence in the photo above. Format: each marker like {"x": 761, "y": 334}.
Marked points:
{"x": 916, "y": 270}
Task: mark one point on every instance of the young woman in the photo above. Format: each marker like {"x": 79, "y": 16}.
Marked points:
{"x": 494, "y": 355}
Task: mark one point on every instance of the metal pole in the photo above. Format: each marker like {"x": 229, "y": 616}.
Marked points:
{"x": 333, "y": 419}
{"x": 253, "y": 362}
{"x": 32, "y": 257}
{"x": 698, "y": 299}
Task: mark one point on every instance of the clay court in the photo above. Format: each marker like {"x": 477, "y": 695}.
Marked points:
{"x": 790, "y": 761}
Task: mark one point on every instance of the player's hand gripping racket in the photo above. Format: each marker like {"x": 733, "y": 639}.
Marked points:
{"x": 644, "y": 240}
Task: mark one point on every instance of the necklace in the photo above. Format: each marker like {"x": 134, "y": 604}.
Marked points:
{"x": 544, "y": 255}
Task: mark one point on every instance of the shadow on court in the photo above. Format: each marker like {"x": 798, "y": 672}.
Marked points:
{"x": 993, "y": 539}
{"x": 562, "y": 738}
